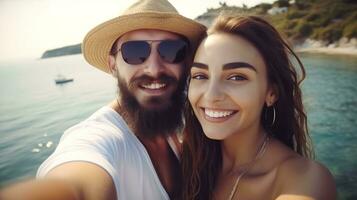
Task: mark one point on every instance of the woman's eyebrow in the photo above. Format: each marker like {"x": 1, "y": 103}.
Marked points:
{"x": 200, "y": 65}
{"x": 227, "y": 66}
{"x": 234, "y": 65}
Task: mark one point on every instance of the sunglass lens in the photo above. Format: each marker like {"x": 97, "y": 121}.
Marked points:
{"x": 173, "y": 51}
{"x": 135, "y": 52}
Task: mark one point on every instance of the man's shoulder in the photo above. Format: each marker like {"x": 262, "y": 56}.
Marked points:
{"x": 95, "y": 140}
{"x": 106, "y": 116}
{"x": 104, "y": 122}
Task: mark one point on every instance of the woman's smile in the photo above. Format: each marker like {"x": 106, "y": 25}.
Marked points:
{"x": 217, "y": 115}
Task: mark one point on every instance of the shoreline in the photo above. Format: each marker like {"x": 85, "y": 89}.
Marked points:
{"x": 328, "y": 50}
{"x": 344, "y": 46}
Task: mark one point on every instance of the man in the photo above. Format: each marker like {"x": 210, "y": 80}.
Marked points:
{"x": 128, "y": 149}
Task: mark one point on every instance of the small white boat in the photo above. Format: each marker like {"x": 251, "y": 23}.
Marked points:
{"x": 61, "y": 79}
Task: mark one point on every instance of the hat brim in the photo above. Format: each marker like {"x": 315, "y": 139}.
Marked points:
{"x": 98, "y": 42}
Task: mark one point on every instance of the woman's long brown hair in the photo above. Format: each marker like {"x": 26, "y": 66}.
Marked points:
{"x": 201, "y": 157}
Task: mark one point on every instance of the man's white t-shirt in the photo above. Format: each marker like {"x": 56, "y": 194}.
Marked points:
{"x": 105, "y": 139}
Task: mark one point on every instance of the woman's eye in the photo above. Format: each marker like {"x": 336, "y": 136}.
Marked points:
{"x": 198, "y": 77}
{"x": 237, "y": 78}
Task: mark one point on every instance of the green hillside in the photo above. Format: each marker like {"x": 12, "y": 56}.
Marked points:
{"x": 326, "y": 20}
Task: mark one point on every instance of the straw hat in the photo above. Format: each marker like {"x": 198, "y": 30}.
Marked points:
{"x": 144, "y": 14}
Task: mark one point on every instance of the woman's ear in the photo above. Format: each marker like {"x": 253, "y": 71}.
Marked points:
{"x": 272, "y": 95}
{"x": 112, "y": 66}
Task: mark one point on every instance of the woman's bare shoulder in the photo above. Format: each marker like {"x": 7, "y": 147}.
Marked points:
{"x": 301, "y": 178}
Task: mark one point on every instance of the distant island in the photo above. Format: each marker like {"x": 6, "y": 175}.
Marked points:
{"x": 63, "y": 51}
{"x": 328, "y": 26}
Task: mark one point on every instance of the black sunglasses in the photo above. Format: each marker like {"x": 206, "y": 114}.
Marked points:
{"x": 137, "y": 51}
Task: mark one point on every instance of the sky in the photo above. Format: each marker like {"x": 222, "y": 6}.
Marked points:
{"x": 30, "y": 27}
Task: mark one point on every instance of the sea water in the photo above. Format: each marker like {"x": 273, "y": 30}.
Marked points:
{"x": 34, "y": 111}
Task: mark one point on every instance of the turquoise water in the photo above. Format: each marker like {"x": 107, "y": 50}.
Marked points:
{"x": 34, "y": 112}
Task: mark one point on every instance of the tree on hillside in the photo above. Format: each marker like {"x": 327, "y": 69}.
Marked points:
{"x": 282, "y": 3}
{"x": 302, "y": 4}
{"x": 223, "y": 4}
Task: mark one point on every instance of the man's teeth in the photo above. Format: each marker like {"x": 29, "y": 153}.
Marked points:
{"x": 154, "y": 86}
{"x": 217, "y": 114}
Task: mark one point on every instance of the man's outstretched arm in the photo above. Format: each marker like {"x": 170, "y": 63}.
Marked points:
{"x": 70, "y": 181}
{"x": 40, "y": 190}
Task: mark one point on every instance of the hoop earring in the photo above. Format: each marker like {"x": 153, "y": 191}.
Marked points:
{"x": 274, "y": 115}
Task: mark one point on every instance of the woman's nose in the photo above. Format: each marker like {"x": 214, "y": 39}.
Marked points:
{"x": 214, "y": 91}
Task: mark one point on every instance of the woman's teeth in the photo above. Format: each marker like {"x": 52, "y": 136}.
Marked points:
{"x": 217, "y": 114}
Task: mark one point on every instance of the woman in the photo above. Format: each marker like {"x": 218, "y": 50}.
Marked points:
{"x": 246, "y": 134}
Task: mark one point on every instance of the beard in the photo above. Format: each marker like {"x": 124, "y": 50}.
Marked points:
{"x": 149, "y": 123}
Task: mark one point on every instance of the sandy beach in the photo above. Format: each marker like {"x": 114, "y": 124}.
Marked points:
{"x": 329, "y": 50}
{"x": 342, "y": 47}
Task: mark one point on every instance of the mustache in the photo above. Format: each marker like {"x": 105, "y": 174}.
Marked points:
{"x": 145, "y": 79}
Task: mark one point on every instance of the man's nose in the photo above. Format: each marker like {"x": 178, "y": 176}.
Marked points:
{"x": 154, "y": 66}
